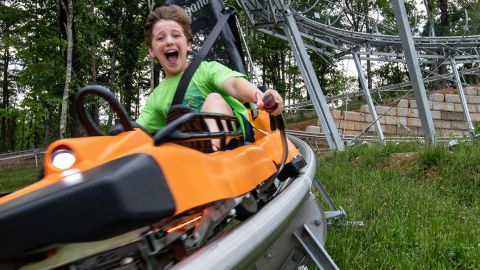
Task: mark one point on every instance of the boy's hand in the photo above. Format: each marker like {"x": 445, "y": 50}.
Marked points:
{"x": 269, "y": 101}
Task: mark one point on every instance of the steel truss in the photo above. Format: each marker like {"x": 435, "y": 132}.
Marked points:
{"x": 274, "y": 17}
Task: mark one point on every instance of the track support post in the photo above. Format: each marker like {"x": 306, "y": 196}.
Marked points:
{"x": 463, "y": 99}
{"x": 310, "y": 79}
{"x": 314, "y": 248}
{"x": 413, "y": 65}
{"x": 368, "y": 96}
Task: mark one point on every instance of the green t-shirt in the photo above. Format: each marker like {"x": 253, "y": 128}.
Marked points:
{"x": 208, "y": 78}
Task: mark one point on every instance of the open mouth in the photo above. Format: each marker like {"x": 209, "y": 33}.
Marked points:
{"x": 171, "y": 57}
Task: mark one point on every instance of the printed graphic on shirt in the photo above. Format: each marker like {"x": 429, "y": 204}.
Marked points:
{"x": 194, "y": 98}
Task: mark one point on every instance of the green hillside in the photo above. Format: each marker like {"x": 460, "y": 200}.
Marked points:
{"x": 420, "y": 207}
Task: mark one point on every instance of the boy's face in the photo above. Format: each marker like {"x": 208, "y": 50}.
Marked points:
{"x": 170, "y": 46}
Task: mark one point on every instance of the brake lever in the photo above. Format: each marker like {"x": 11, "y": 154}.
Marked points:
{"x": 269, "y": 103}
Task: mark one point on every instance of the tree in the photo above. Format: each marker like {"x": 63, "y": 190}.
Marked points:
{"x": 9, "y": 22}
{"x": 63, "y": 117}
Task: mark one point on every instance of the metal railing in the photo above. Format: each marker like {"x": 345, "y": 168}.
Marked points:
{"x": 36, "y": 153}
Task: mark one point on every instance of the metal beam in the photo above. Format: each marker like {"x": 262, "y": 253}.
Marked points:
{"x": 371, "y": 106}
{"x": 471, "y": 128}
{"x": 414, "y": 70}
{"x": 311, "y": 80}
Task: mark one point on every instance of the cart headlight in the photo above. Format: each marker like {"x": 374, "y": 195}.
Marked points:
{"x": 63, "y": 158}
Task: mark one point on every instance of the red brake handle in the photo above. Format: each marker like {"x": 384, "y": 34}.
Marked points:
{"x": 269, "y": 103}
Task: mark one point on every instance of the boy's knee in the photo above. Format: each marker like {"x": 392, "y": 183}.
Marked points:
{"x": 214, "y": 102}
{"x": 214, "y": 98}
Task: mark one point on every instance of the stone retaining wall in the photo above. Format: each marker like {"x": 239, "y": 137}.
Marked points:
{"x": 403, "y": 119}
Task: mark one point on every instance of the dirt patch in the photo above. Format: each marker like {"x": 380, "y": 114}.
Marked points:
{"x": 302, "y": 125}
{"x": 444, "y": 91}
{"x": 399, "y": 159}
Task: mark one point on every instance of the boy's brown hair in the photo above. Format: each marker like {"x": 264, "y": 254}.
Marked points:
{"x": 170, "y": 12}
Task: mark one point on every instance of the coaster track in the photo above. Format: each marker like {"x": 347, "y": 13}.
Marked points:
{"x": 266, "y": 16}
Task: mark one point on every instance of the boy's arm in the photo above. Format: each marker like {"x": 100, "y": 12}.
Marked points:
{"x": 245, "y": 91}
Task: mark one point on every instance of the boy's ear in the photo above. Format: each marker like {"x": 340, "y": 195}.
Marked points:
{"x": 189, "y": 47}
{"x": 150, "y": 53}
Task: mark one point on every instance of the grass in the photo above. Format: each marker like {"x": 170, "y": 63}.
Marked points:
{"x": 13, "y": 177}
{"x": 421, "y": 208}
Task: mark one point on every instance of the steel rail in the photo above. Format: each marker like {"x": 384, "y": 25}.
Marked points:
{"x": 388, "y": 88}
{"x": 17, "y": 153}
{"x": 352, "y": 38}
{"x": 373, "y": 44}
{"x": 368, "y": 138}
{"x": 22, "y": 154}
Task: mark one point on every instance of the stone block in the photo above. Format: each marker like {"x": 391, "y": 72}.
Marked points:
{"x": 403, "y": 103}
{"x": 435, "y": 114}
{"x": 383, "y": 110}
{"x": 354, "y": 116}
{"x": 452, "y": 98}
{"x": 437, "y": 97}
{"x": 382, "y": 120}
{"x": 415, "y": 114}
{"x": 452, "y": 116}
{"x": 413, "y": 104}
{"x": 443, "y": 106}
{"x": 348, "y": 125}
{"x": 337, "y": 114}
{"x": 368, "y": 118}
{"x": 389, "y": 129}
{"x": 420, "y": 131}
{"x": 313, "y": 129}
{"x": 395, "y": 120}
{"x": 402, "y": 120}
{"x": 471, "y": 108}
{"x": 414, "y": 122}
{"x": 441, "y": 124}
{"x": 475, "y": 117}
{"x": 458, "y": 125}
{"x": 402, "y": 111}
{"x": 361, "y": 126}
{"x": 412, "y": 113}
{"x": 351, "y": 132}
{"x": 450, "y": 133}
{"x": 410, "y": 131}
{"x": 364, "y": 108}
{"x": 341, "y": 125}
{"x": 458, "y": 107}
{"x": 390, "y": 120}
{"x": 473, "y": 99}
{"x": 471, "y": 91}
{"x": 372, "y": 130}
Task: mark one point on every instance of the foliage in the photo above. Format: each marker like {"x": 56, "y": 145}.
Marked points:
{"x": 419, "y": 206}
{"x": 109, "y": 50}
{"x": 390, "y": 73}
{"x": 105, "y": 51}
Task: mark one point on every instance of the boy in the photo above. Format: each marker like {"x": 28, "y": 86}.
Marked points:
{"x": 214, "y": 88}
